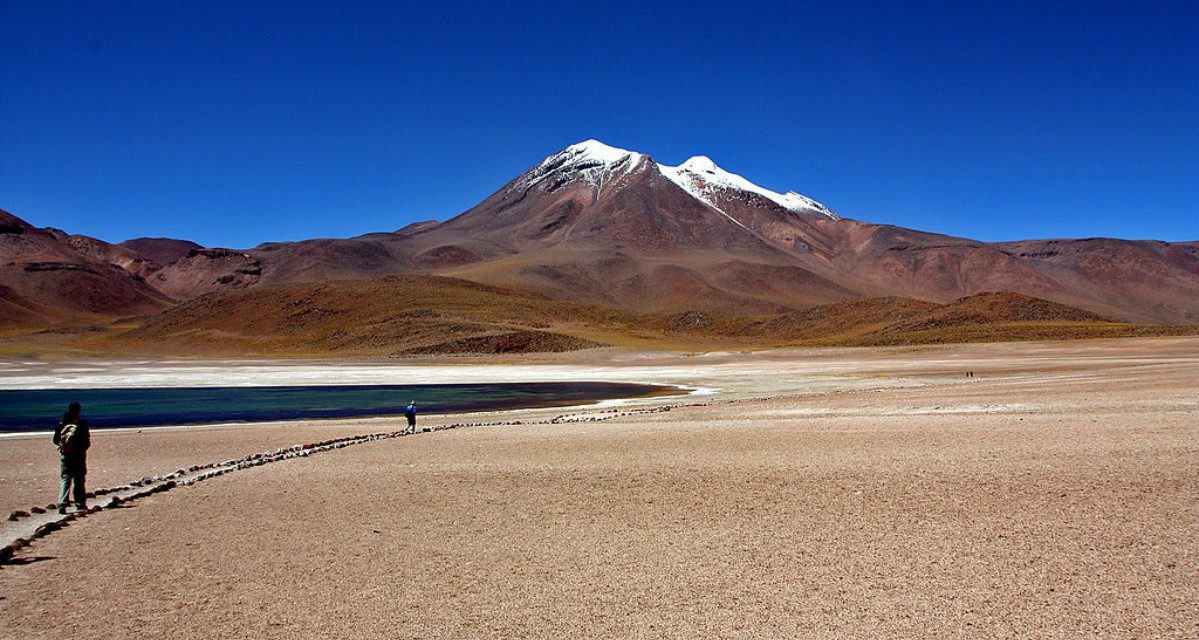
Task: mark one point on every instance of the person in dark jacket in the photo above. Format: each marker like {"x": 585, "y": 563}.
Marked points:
{"x": 410, "y": 413}
{"x": 73, "y": 438}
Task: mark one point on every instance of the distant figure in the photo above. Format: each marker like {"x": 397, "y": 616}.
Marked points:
{"x": 73, "y": 439}
{"x": 410, "y": 413}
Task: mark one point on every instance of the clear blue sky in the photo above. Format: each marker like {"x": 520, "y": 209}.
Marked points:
{"x": 237, "y": 123}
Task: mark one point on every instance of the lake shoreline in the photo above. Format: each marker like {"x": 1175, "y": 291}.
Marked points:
{"x": 464, "y": 398}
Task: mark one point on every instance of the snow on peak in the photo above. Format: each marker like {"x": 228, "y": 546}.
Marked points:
{"x": 699, "y": 164}
{"x": 595, "y": 150}
{"x": 599, "y": 164}
{"x": 590, "y": 161}
{"x": 700, "y": 177}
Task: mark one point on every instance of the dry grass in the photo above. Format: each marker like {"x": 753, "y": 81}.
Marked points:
{"x": 430, "y": 315}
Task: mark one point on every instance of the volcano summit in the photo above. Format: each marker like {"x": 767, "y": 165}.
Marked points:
{"x": 597, "y": 224}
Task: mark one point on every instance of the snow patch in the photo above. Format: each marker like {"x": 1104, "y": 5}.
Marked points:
{"x": 700, "y": 177}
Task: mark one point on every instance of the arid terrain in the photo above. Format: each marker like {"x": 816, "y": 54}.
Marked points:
{"x": 817, "y": 493}
{"x": 421, "y": 316}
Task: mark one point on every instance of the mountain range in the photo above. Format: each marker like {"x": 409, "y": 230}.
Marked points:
{"x": 597, "y": 225}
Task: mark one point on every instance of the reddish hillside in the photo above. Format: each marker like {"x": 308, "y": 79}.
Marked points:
{"x": 47, "y": 276}
{"x": 206, "y": 270}
{"x": 164, "y": 251}
{"x": 1142, "y": 280}
{"x": 1001, "y": 306}
{"x": 841, "y": 319}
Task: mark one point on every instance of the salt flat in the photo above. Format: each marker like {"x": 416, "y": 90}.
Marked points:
{"x": 819, "y": 493}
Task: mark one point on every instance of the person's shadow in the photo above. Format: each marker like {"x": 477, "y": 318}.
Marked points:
{"x": 29, "y": 560}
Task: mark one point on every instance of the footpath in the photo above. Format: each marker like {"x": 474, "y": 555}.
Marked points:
{"x": 24, "y": 526}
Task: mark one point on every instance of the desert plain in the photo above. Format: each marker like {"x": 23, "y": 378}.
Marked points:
{"x": 818, "y": 493}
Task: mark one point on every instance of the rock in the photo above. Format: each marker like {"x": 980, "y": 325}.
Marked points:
{"x": 46, "y": 529}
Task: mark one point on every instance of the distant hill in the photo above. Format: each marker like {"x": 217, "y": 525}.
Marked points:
{"x": 163, "y": 251}
{"x": 986, "y": 317}
{"x": 47, "y": 276}
{"x": 1006, "y": 316}
{"x": 437, "y": 316}
{"x": 389, "y": 316}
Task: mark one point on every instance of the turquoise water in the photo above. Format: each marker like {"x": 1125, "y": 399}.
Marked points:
{"x": 39, "y": 410}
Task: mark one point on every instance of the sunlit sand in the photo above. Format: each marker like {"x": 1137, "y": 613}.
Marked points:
{"x": 827, "y": 493}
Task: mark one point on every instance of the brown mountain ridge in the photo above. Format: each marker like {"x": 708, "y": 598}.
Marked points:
{"x": 594, "y": 225}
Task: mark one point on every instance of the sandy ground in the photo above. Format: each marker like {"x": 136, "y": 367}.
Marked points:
{"x": 820, "y": 494}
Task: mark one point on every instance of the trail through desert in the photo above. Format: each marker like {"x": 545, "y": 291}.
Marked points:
{"x": 817, "y": 494}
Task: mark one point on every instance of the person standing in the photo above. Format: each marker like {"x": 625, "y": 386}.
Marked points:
{"x": 73, "y": 439}
{"x": 410, "y": 413}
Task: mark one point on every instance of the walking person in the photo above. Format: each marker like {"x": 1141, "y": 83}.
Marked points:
{"x": 410, "y": 413}
{"x": 73, "y": 439}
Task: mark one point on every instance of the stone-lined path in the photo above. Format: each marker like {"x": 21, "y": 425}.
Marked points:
{"x": 24, "y": 526}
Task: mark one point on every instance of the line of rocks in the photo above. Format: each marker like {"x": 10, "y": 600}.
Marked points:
{"x": 40, "y": 522}
{"x": 600, "y": 416}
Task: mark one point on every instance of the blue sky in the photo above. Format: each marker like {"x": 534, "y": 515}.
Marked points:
{"x": 237, "y": 123}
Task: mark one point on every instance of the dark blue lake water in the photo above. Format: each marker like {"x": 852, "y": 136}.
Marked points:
{"x": 39, "y": 410}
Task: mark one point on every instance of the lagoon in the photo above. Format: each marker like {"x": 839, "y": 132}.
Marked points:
{"x": 40, "y": 409}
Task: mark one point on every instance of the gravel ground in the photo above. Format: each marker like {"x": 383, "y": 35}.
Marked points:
{"x": 1054, "y": 496}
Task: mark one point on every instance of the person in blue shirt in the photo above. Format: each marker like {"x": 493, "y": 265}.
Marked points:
{"x": 410, "y": 413}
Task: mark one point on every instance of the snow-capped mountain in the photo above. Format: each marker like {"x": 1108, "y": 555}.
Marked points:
{"x": 599, "y": 224}
{"x": 601, "y": 166}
